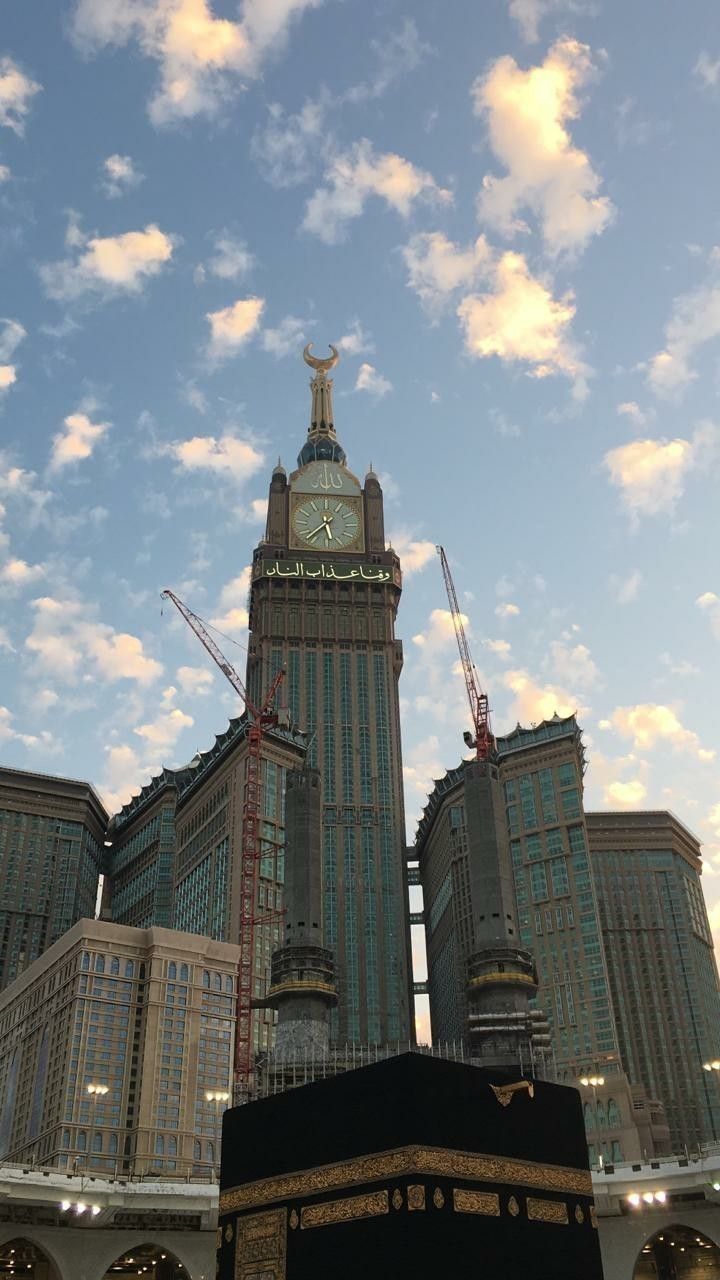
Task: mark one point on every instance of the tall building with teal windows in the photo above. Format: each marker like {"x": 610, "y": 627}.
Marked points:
{"x": 664, "y": 980}
{"x": 323, "y": 602}
{"x": 541, "y": 770}
{"x": 52, "y": 833}
{"x": 176, "y": 846}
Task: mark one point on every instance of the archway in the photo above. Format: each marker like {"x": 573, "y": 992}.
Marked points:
{"x": 678, "y": 1253}
{"x": 20, "y": 1257}
{"x": 151, "y": 1261}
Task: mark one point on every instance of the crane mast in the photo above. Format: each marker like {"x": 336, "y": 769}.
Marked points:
{"x": 259, "y": 721}
{"x": 483, "y": 741}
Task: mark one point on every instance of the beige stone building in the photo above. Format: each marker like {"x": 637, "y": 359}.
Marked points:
{"x": 110, "y": 1044}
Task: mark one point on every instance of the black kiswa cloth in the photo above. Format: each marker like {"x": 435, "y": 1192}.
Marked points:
{"x": 405, "y": 1167}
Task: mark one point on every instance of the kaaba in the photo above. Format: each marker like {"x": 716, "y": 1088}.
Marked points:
{"x": 413, "y": 1166}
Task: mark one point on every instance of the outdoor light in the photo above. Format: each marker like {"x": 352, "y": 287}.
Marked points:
{"x": 101, "y": 1089}
{"x": 65, "y": 1205}
{"x": 661, "y": 1196}
{"x": 634, "y": 1199}
{"x": 95, "y": 1210}
{"x": 80, "y": 1207}
{"x": 716, "y": 1186}
{"x": 595, "y": 1081}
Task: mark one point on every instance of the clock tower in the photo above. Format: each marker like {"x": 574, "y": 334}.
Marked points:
{"x": 323, "y": 601}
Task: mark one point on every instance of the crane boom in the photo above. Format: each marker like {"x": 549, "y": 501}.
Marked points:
{"x": 259, "y": 721}
{"x": 484, "y": 742}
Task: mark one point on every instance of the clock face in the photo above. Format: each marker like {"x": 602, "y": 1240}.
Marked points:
{"x": 327, "y": 523}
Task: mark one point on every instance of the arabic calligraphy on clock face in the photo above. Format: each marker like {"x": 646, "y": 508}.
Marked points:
{"x": 326, "y": 522}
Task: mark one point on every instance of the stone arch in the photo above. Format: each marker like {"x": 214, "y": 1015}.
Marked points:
{"x": 177, "y": 1266}
{"x": 34, "y": 1260}
{"x": 677, "y": 1252}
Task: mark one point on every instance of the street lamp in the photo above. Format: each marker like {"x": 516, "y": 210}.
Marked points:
{"x": 594, "y": 1083}
{"x": 712, "y": 1066}
{"x": 225, "y": 1097}
{"x": 96, "y": 1091}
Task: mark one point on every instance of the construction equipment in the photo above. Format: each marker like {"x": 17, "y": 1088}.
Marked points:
{"x": 483, "y": 741}
{"x": 260, "y": 719}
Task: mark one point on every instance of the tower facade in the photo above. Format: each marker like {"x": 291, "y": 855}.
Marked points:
{"x": 663, "y": 976}
{"x": 541, "y": 785}
{"x": 323, "y": 601}
{"x": 52, "y": 833}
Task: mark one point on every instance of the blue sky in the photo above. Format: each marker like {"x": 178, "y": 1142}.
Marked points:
{"x": 505, "y": 214}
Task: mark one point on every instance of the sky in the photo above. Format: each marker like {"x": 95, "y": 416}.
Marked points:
{"x": 505, "y": 215}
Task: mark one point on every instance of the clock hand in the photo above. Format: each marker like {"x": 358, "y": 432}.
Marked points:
{"x": 325, "y": 522}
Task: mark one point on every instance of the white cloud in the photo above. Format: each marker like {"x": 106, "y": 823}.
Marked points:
{"x": 16, "y": 93}
{"x": 119, "y": 175}
{"x": 501, "y": 648}
{"x": 162, "y": 733}
{"x": 422, "y": 764}
{"x": 231, "y": 260}
{"x": 227, "y": 456}
{"x": 440, "y": 631}
{"x": 195, "y": 680}
{"x": 630, "y": 409}
{"x": 534, "y": 702}
{"x": 398, "y": 52}
{"x": 286, "y": 339}
{"x": 109, "y": 265}
{"x": 414, "y": 554}
{"x": 679, "y": 666}
{"x": 5, "y": 641}
{"x": 368, "y": 379}
{"x": 354, "y": 176}
{"x": 625, "y": 795}
{"x": 70, "y": 644}
{"x": 574, "y": 664}
{"x": 520, "y": 321}
{"x": 527, "y": 115}
{"x": 286, "y": 150}
{"x": 528, "y": 14}
{"x": 707, "y": 70}
{"x": 694, "y": 321}
{"x": 437, "y": 267}
{"x": 650, "y": 723}
{"x": 203, "y": 60}
{"x": 625, "y": 590}
{"x": 11, "y": 335}
{"x": 356, "y": 342}
{"x": 507, "y": 610}
{"x": 651, "y": 474}
{"x": 232, "y": 327}
{"x": 232, "y": 614}
{"x": 5, "y": 174}
{"x": 18, "y": 573}
{"x": 709, "y": 602}
{"x": 77, "y": 441}
{"x": 32, "y": 741}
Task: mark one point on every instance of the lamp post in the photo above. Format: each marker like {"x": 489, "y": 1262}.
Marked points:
{"x": 218, "y": 1097}
{"x": 96, "y": 1091}
{"x": 594, "y": 1083}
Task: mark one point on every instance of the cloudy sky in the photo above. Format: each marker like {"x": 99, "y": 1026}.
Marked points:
{"x": 505, "y": 214}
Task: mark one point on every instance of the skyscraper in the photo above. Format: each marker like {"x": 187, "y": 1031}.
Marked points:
{"x": 324, "y": 598}
{"x": 541, "y": 772}
{"x": 663, "y": 976}
{"x": 52, "y": 832}
{"x": 116, "y": 1052}
{"x": 175, "y": 858}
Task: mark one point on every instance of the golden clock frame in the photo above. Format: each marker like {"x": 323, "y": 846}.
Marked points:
{"x": 355, "y": 502}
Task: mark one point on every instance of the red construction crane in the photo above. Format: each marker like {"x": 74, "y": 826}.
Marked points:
{"x": 483, "y": 742}
{"x": 260, "y": 719}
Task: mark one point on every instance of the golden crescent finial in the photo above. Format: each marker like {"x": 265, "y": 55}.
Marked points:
{"x": 322, "y": 366}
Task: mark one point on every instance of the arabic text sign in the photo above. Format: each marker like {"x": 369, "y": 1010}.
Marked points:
{"x": 322, "y": 570}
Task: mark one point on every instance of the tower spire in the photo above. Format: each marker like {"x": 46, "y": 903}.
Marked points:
{"x": 322, "y": 442}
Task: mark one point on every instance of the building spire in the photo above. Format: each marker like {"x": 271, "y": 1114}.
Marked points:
{"x": 322, "y": 442}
